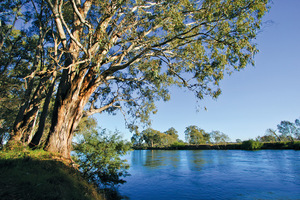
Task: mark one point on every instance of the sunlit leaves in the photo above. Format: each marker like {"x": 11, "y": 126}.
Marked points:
{"x": 98, "y": 154}
{"x": 187, "y": 43}
{"x": 194, "y": 135}
{"x": 155, "y": 138}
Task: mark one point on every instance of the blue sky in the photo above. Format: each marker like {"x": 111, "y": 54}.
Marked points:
{"x": 252, "y": 100}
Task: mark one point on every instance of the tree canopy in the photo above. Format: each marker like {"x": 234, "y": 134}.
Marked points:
{"x": 93, "y": 56}
{"x": 153, "y": 138}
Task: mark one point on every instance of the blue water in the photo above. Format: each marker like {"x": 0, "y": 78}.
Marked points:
{"x": 212, "y": 174}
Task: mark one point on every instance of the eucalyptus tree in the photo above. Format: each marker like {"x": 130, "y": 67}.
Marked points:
{"x": 173, "y": 135}
{"x": 156, "y": 138}
{"x": 289, "y": 129}
{"x": 272, "y": 132}
{"x": 124, "y": 55}
{"x": 194, "y": 135}
{"x": 152, "y": 137}
{"x": 16, "y": 47}
{"x": 219, "y": 137}
{"x": 28, "y": 60}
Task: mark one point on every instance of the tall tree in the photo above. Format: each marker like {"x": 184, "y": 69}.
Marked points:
{"x": 15, "y": 50}
{"x": 194, "y": 135}
{"x": 123, "y": 55}
{"x": 272, "y": 132}
{"x": 219, "y": 137}
{"x": 289, "y": 129}
{"x": 151, "y": 137}
{"x": 24, "y": 55}
{"x": 172, "y": 134}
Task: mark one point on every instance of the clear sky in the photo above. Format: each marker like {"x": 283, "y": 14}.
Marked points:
{"x": 252, "y": 100}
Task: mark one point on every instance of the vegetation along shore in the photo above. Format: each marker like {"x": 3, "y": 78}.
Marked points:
{"x": 246, "y": 145}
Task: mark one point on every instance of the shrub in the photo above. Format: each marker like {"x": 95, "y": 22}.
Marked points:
{"x": 251, "y": 145}
{"x": 99, "y": 157}
{"x": 178, "y": 144}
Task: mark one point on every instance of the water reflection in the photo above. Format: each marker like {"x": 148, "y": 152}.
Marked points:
{"x": 155, "y": 159}
{"x": 195, "y": 160}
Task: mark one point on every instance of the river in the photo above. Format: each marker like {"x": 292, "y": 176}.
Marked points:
{"x": 212, "y": 174}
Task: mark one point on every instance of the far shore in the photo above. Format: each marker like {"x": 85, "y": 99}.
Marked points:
{"x": 229, "y": 146}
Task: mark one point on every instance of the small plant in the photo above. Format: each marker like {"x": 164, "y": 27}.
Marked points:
{"x": 251, "y": 145}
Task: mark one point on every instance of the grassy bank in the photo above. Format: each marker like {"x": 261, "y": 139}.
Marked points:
{"x": 231, "y": 146}
{"x": 26, "y": 174}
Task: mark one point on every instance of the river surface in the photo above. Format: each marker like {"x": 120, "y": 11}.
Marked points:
{"x": 212, "y": 174}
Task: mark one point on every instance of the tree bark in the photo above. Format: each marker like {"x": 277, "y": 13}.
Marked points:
{"x": 68, "y": 110}
{"x": 24, "y": 122}
{"x": 61, "y": 132}
{"x": 39, "y": 133}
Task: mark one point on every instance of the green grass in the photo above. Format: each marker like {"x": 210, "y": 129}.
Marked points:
{"x": 26, "y": 174}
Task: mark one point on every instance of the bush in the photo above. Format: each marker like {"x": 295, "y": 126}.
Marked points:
{"x": 251, "y": 145}
{"x": 178, "y": 144}
{"x": 99, "y": 157}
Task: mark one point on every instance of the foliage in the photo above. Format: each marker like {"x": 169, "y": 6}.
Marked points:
{"x": 99, "y": 156}
{"x": 219, "y": 137}
{"x": 179, "y": 144}
{"x": 289, "y": 129}
{"x": 151, "y": 136}
{"x": 195, "y": 135}
{"x": 26, "y": 174}
{"x": 267, "y": 138}
{"x": 137, "y": 140}
{"x": 154, "y": 138}
{"x": 13, "y": 60}
{"x": 173, "y": 135}
{"x": 122, "y": 56}
{"x": 238, "y": 141}
{"x": 251, "y": 145}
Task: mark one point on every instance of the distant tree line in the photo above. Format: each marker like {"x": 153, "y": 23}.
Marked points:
{"x": 286, "y": 136}
{"x": 193, "y": 136}
{"x": 286, "y": 132}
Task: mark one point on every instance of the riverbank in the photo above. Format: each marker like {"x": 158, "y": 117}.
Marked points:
{"x": 27, "y": 174}
{"x": 231, "y": 146}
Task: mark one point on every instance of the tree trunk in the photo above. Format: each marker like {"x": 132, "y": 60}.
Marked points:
{"x": 61, "y": 132}
{"x": 17, "y": 132}
{"x": 39, "y": 133}
{"x": 67, "y": 112}
{"x": 26, "y": 117}
{"x": 24, "y": 130}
